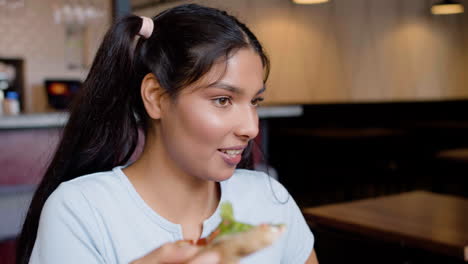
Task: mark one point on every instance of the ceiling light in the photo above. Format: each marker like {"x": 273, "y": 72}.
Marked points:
{"x": 309, "y": 2}
{"x": 447, "y": 7}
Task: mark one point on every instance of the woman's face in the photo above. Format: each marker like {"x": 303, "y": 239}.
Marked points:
{"x": 205, "y": 130}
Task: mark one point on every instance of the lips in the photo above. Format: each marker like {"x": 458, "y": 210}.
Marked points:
{"x": 232, "y": 152}
{"x": 232, "y": 156}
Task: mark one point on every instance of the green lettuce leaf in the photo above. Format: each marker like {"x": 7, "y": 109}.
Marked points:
{"x": 229, "y": 225}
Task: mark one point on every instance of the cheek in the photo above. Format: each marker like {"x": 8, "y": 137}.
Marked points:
{"x": 205, "y": 126}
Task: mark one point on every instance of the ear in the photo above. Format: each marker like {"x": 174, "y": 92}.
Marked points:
{"x": 152, "y": 95}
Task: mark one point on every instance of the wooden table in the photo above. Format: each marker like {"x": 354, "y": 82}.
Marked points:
{"x": 420, "y": 219}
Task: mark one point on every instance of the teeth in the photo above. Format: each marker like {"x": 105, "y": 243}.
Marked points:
{"x": 232, "y": 152}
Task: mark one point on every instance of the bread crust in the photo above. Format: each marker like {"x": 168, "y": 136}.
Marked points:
{"x": 235, "y": 246}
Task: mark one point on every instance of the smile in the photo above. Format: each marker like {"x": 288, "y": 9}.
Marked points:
{"x": 232, "y": 152}
{"x": 232, "y": 157}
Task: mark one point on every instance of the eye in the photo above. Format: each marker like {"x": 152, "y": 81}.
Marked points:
{"x": 222, "y": 101}
{"x": 257, "y": 101}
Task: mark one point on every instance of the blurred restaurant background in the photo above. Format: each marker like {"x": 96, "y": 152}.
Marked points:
{"x": 365, "y": 120}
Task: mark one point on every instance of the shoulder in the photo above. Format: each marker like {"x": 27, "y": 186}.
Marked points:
{"x": 93, "y": 184}
{"x": 96, "y": 181}
{"x": 71, "y": 220}
{"x": 77, "y": 193}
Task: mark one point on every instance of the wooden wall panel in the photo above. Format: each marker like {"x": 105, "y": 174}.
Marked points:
{"x": 356, "y": 46}
{"x": 383, "y": 18}
{"x": 357, "y": 50}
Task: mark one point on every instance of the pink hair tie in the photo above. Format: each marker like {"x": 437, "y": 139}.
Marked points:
{"x": 146, "y": 27}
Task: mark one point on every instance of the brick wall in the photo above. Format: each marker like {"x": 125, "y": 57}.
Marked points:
{"x": 30, "y": 33}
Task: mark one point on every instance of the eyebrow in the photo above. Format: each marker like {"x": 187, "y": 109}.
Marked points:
{"x": 232, "y": 88}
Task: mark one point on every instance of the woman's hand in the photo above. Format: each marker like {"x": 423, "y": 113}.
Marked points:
{"x": 177, "y": 253}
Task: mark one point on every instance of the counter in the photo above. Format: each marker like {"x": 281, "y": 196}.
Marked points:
{"x": 45, "y": 120}
{"x": 52, "y": 120}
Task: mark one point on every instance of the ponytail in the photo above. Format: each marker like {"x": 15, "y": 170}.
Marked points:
{"x": 102, "y": 130}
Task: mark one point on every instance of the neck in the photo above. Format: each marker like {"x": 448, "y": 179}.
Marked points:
{"x": 167, "y": 189}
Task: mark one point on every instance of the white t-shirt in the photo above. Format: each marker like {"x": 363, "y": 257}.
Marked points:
{"x": 100, "y": 218}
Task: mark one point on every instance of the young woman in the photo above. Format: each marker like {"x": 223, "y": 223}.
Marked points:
{"x": 192, "y": 83}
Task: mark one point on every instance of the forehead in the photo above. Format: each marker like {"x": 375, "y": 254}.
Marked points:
{"x": 243, "y": 69}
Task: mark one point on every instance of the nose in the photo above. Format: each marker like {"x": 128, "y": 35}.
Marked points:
{"x": 247, "y": 127}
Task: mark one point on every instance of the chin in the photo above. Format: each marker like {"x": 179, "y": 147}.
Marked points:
{"x": 221, "y": 175}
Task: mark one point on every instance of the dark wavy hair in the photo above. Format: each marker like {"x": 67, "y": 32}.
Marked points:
{"x": 102, "y": 130}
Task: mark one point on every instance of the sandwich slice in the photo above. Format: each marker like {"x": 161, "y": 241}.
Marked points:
{"x": 234, "y": 240}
